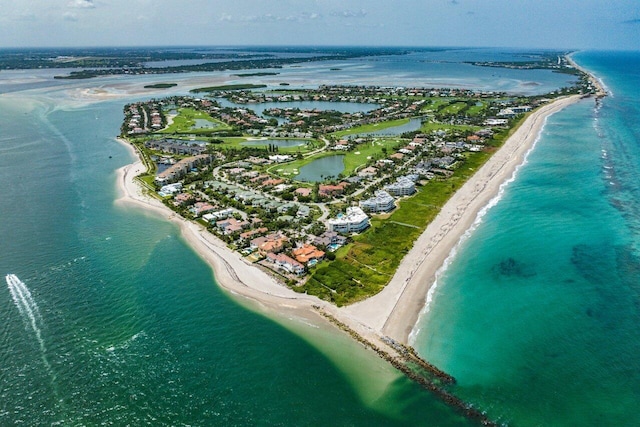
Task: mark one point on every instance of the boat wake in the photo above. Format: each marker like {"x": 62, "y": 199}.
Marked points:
{"x": 30, "y": 313}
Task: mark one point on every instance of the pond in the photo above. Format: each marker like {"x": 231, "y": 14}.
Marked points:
{"x": 204, "y": 124}
{"x": 322, "y": 169}
{"x": 278, "y": 142}
{"x": 413, "y": 125}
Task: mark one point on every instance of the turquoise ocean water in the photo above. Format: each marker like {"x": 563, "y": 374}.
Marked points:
{"x": 538, "y": 314}
{"x": 113, "y": 320}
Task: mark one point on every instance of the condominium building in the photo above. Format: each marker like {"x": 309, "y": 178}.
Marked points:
{"x": 354, "y": 221}
{"x": 380, "y": 202}
{"x": 402, "y": 187}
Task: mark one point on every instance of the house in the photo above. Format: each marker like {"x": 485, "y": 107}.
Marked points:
{"x": 251, "y": 233}
{"x": 231, "y": 225}
{"x": 286, "y": 263}
{"x": 354, "y": 221}
{"x": 303, "y": 211}
{"x": 280, "y": 158}
{"x": 182, "y": 198}
{"x": 170, "y": 189}
{"x": 369, "y": 171}
{"x": 302, "y": 191}
{"x": 308, "y": 254}
{"x": 330, "y": 239}
{"x": 496, "y": 122}
{"x": 286, "y": 207}
{"x": 200, "y": 208}
{"x": 329, "y": 190}
{"x": 273, "y": 242}
{"x": 272, "y": 182}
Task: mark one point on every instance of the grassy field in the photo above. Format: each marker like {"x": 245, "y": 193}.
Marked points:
{"x": 363, "y": 152}
{"x": 454, "y": 108}
{"x": 477, "y": 109}
{"x": 185, "y": 120}
{"x": 435, "y": 104}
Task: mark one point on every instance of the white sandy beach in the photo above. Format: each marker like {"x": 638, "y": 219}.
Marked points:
{"x": 396, "y": 309}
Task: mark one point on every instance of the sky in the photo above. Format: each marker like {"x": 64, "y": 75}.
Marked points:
{"x": 553, "y": 24}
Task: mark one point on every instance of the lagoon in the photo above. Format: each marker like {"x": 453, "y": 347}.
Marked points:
{"x": 413, "y": 125}
{"x": 204, "y": 124}
{"x": 321, "y": 169}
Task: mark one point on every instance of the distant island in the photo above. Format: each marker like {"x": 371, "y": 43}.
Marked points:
{"x": 262, "y": 74}
{"x": 96, "y": 62}
{"x": 161, "y": 86}
{"x": 239, "y": 86}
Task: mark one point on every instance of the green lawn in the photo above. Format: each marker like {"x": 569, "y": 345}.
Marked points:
{"x": 185, "y": 120}
{"x": 477, "y": 109}
{"x": 361, "y": 154}
{"x": 435, "y": 104}
{"x": 453, "y": 109}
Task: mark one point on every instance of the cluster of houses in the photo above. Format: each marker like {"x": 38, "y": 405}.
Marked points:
{"x": 276, "y": 253}
{"x": 244, "y": 204}
{"x": 139, "y": 122}
{"x": 259, "y": 199}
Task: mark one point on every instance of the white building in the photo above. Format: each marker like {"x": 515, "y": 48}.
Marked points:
{"x": 354, "y": 221}
{"x": 279, "y": 158}
{"x": 381, "y": 202}
{"x": 170, "y": 189}
{"x": 402, "y": 187}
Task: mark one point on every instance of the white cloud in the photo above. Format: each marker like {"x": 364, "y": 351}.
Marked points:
{"x": 350, "y": 13}
{"x": 81, "y": 4}
{"x": 270, "y": 17}
{"x": 70, "y": 16}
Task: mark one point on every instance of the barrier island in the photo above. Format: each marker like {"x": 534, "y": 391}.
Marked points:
{"x": 340, "y": 214}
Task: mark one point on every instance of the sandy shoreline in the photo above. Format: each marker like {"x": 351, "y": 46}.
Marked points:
{"x": 395, "y": 310}
{"x": 596, "y": 82}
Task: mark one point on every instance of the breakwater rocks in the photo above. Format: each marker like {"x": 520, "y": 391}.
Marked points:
{"x": 416, "y": 369}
